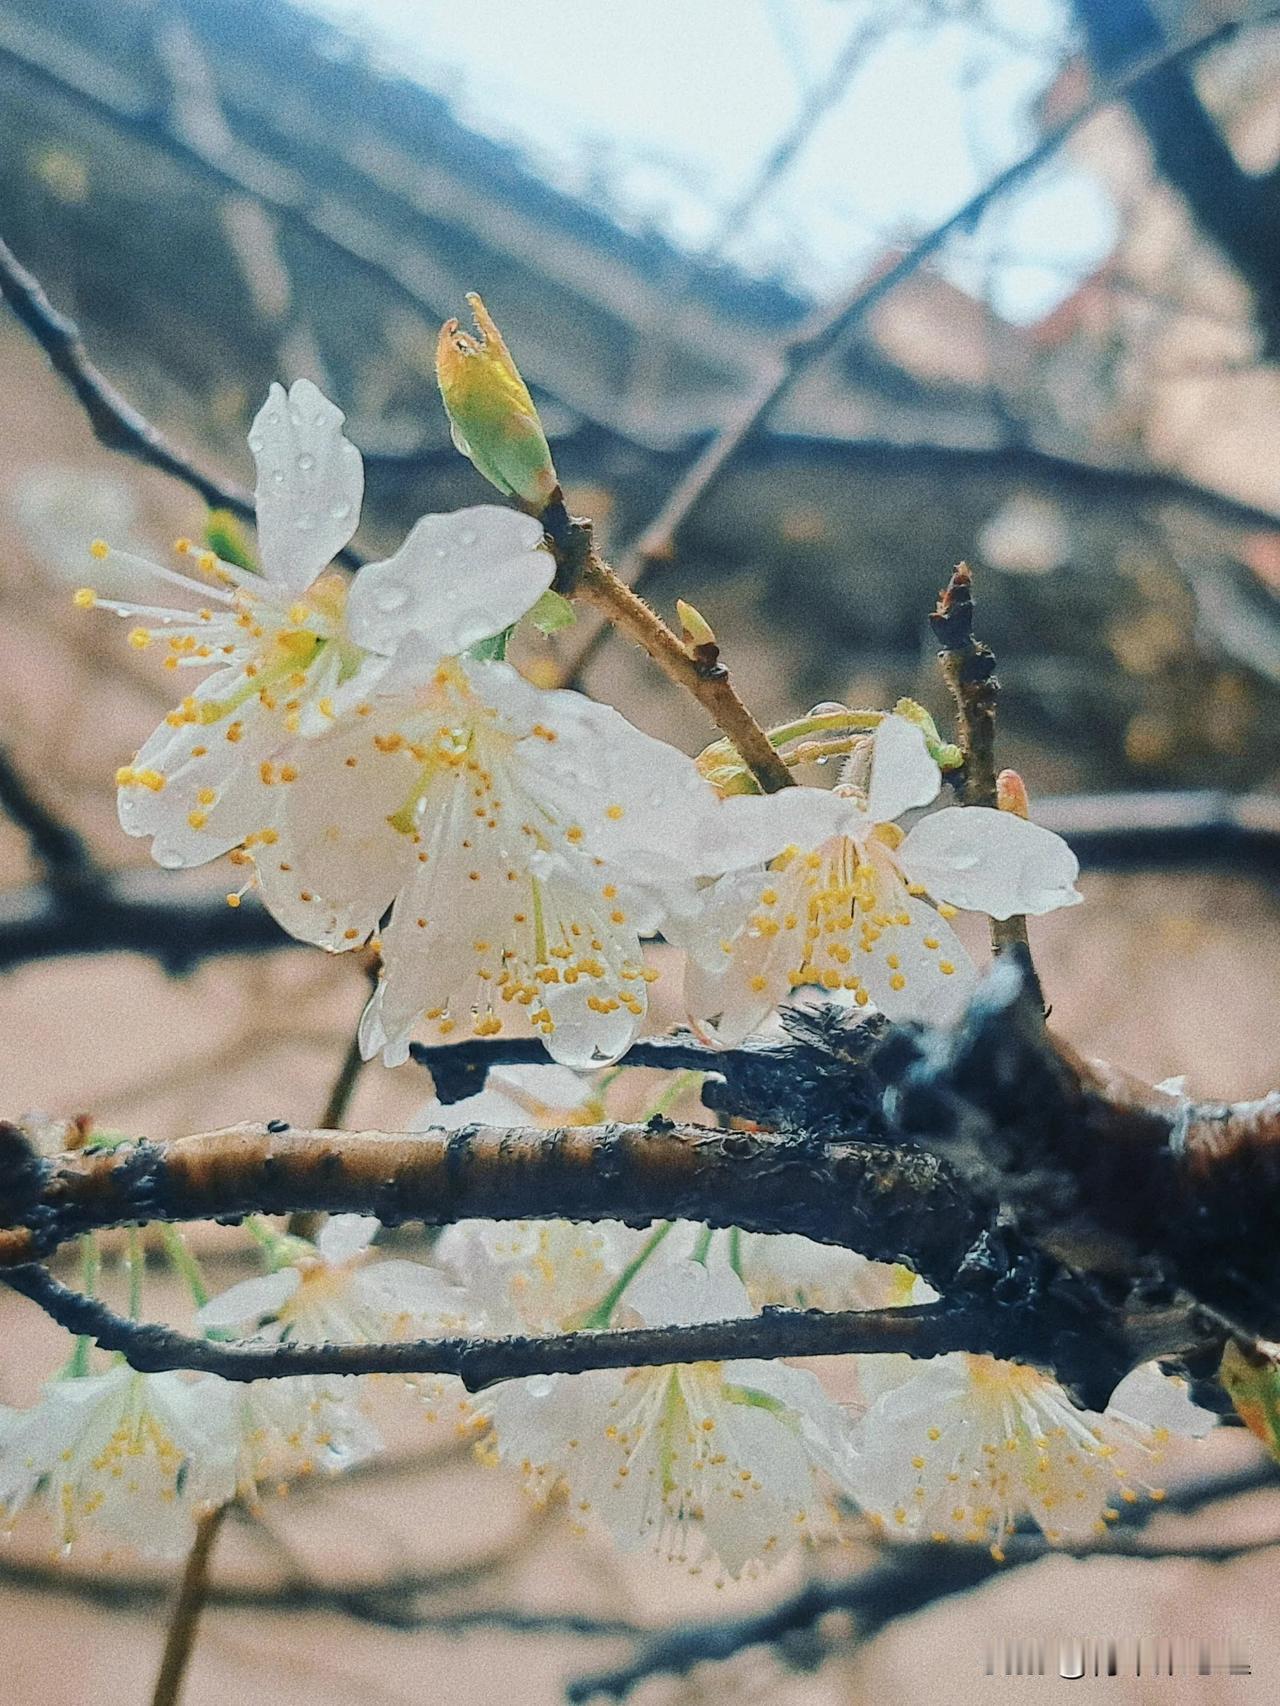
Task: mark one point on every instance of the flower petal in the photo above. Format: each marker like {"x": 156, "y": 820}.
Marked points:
{"x": 457, "y": 579}
{"x": 990, "y": 861}
{"x": 250, "y": 1299}
{"x": 911, "y": 963}
{"x": 310, "y": 483}
{"x": 903, "y": 775}
{"x": 343, "y": 1237}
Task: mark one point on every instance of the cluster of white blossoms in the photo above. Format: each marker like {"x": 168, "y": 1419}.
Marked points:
{"x": 362, "y": 750}
{"x": 357, "y": 748}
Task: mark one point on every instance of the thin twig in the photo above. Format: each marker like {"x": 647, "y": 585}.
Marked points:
{"x": 114, "y": 420}
{"x": 1037, "y": 1333}
{"x": 969, "y": 670}
{"x": 185, "y": 1621}
{"x": 584, "y": 574}
{"x": 831, "y": 321}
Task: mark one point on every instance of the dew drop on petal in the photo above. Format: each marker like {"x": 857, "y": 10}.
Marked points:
{"x": 306, "y": 462}
{"x": 468, "y": 536}
{"x": 304, "y": 522}
{"x": 827, "y": 708}
{"x": 340, "y": 512}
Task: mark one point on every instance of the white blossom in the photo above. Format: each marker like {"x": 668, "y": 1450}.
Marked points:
{"x": 962, "y": 1446}
{"x": 844, "y": 903}
{"x": 299, "y": 1424}
{"x": 698, "y": 1460}
{"x": 133, "y": 1457}
{"x": 524, "y": 839}
{"x": 295, "y": 648}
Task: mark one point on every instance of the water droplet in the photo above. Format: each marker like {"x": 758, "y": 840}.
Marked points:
{"x": 827, "y": 708}
{"x": 468, "y": 536}
{"x": 340, "y": 512}
{"x": 256, "y": 442}
{"x": 304, "y": 522}
{"x": 391, "y": 597}
{"x": 277, "y": 474}
{"x": 306, "y": 462}
{"x": 166, "y": 857}
{"x": 441, "y": 552}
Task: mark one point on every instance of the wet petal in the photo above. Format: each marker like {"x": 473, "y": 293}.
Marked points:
{"x": 990, "y": 861}
{"x": 903, "y": 775}
{"x": 310, "y": 483}
{"x": 457, "y": 579}
{"x": 250, "y": 1300}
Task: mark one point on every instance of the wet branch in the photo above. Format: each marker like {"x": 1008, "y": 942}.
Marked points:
{"x": 1036, "y": 1333}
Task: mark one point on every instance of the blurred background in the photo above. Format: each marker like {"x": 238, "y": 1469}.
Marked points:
{"x": 672, "y": 209}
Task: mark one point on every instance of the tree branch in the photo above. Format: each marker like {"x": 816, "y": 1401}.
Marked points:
{"x": 1238, "y": 212}
{"x": 1040, "y": 1333}
{"x": 969, "y": 670}
{"x": 112, "y": 417}
{"x": 832, "y": 321}
{"x": 891, "y": 1204}
{"x": 63, "y": 857}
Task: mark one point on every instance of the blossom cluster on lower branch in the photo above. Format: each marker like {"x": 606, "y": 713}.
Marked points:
{"x": 722, "y": 1466}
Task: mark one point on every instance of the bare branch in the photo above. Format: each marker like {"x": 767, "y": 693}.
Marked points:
{"x": 969, "y": 670}
{"x": 114, "y": 420}
{"x": 62, "y": 855}
{"x": 891, "y": 1204}
{"x": 830, "y": 322}
{"x": 1037, "y": 1333}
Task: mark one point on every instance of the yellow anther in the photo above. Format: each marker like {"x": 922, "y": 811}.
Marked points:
{"x": 99, "y": 548}
{"x": 85, "y": 598}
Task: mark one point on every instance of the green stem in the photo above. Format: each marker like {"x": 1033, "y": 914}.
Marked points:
{"x": 602, "y": 1314}
{"x": 702, "y": 1248}
{"x": 90, "y": 1262}
{"x": 735, "y": 1250}
{"x": 135, "y": 1261}
{"x": 176, "y": 1249}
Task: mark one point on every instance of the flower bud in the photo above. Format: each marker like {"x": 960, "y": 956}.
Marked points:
{"x": 1011, "y": 794}
{"x": 697, "y": 630}
{"x": 494, "y": 421}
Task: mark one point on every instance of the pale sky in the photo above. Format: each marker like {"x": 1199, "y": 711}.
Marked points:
{"x": 663, "y": 111}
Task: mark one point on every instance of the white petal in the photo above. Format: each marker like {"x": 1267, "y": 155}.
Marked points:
{"x": 337, "y": 862}
{"x": 250, "y": 1300}
{"x": 990, "y": 861}
{"x": 457, "y": 579}
{"x": 735, "y": 975}
{"x": 904, "y": 976}
{"x": 686, "y": 1292}
{"x": 747, "y": 829}
{"x": 628, "y": 798}
{"x": 1150, "y": 1399}
{"x": 903, "y": 775}
{"x": 310, "y": 483}
{"x": 345, "y": 1236}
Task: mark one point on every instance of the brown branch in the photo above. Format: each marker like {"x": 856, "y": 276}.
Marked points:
{"x": 969, "y": 669}
{"x": 1104, "y": 1173}
{"x": 891, "y": 1204}
{"x": 1041, "y": 1333}
{"x": 184, "y": 1623}
{"x": 112, "y": 417}
{"x": 63, "y": 857}
{"x": 832, "y": 321}
{"x": 583, "y": 574}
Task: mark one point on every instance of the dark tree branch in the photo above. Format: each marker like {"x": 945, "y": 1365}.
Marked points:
{"x": 63, "y": 857}
{"x": 1041, "y": 1332}
{"x": 1105, "y": 1173}
{"x": 1238, "y": 212}
{"x": 112, "y": 417}
{"x": 830, "y": 322}
{"x": 891, "y": 1204}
